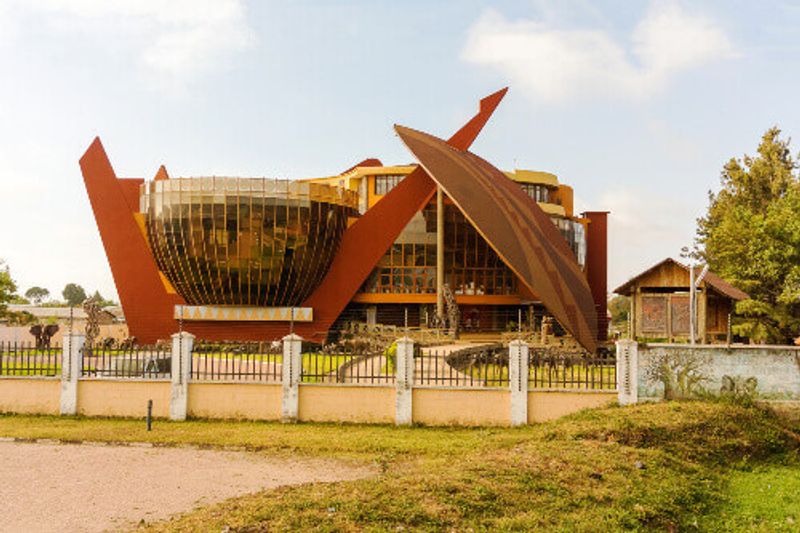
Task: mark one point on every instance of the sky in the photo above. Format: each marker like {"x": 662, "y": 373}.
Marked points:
{"x": 637, "y": 105}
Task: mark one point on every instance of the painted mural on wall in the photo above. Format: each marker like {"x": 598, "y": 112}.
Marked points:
{"x": 673, "y": 371}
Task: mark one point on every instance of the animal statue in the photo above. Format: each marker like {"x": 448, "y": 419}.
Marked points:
{"x": 453, "y": 313}
{"x": 91, "y": 306}
{"x": 739, "y": 386}
{"x": 43, "y": 335}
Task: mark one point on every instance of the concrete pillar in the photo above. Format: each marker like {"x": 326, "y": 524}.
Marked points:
{"x": 181, "y": 367}
{"x": 71, "y": 366}
{"x": 597, "y": 266}
{"x": 440, "y": 312}
{"x": 702, "y": 315}
{"x": 404, "y": 381}
{"x": 518, "y": 354}
{"x": 291, "y": 372}
{"x": 627, "y": 371}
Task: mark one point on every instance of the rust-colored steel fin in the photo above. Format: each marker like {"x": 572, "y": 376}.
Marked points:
{"x": 515, "y": 227}
{"x": 148, "y": 307}
{"x": 366, "y": 241}
{"x": 463, "y": 138}
{"x": 161, "y": 174}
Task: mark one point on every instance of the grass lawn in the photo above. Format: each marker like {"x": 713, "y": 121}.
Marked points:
{"x": 671, "y": 466}
{"x": 545, "y": 377}
{"x": 764, "y": 498}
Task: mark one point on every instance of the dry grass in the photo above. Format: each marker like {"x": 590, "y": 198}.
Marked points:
{"x": 659, "y": 466}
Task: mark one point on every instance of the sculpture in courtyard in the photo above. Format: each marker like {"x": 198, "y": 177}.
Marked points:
{"x": 43, "y": 335}
{"x": 91, "y": 307}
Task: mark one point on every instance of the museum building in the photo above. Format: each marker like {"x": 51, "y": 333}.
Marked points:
{"x": 231, "y": 258}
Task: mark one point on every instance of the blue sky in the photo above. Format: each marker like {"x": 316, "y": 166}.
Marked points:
{"x": 637, "y": 105}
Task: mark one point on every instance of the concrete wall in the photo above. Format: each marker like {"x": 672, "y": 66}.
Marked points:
{"x": 22, "y": 333}
{"x": 552, "y": 404}
{"x": 317, "y": 402}
{"x": 246, "y": 401}
{"x": 342, "y": 403}
{"x": 462, "y": 407}
{"x": 41, "y": 396}
{"x": 127, "y": 398}
{"x": 776, "y": 370}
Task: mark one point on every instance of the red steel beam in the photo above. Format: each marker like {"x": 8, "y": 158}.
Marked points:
{"x": 368, "y": 239}
{"x": 149, "y": 309}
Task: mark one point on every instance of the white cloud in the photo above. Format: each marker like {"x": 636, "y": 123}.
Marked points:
{"x": 174, "y": 42}
{"x": 644, "y": 227}
{"x": 559, "y": 64}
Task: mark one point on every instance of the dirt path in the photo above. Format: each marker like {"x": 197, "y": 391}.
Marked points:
{"x": 433, "y": 369}
{"x": 62, "y": 487}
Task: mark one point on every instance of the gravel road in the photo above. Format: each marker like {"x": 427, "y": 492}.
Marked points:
{"x": 87, "y": 488}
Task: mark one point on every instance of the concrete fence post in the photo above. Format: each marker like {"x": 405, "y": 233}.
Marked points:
{"x": 291, "y": 373}
{"x": 518, "y": 353}
{"x": 71, "y": 366}
{"x": 627, "y": 371}
{"x": 404, "y": 381}
{"x": 180, "y": 368}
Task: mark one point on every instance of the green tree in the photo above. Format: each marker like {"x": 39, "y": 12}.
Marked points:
{"x": 103, "y": 302}
{"x": 37, "y": 294}
{"x": 619, "y": 307}
{"x": 8, "y": 289}
{"x": 751, "y": 237}
{"x": 74, "y": 294}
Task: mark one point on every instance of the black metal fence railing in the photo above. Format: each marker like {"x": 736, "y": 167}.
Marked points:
{"x": 349, "y": 366}
{"x": 144, "y": 362}
{"x": 25, "y": 359}
{"x": 483, "y": 366}
{"x": 224, "y": 361}
{"x": 553, "y": 370}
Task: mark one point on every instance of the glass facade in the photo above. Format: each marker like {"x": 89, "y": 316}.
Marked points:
{"x": 575, "y": 235}
{"x": 244, "y": 241}
{"x": 471, "y": 266}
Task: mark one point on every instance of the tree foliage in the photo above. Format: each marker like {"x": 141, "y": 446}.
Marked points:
{"x": 619, "y": 307}
{"x": 751, "y": 237}
{"x": 74, "y": 294}
{"x": 102, "y": 301}
{"x": 8, "y": 289}
{"x": 37, "y": 294}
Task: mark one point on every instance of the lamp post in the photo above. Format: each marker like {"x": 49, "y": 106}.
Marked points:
{"x": 693, "y": 285}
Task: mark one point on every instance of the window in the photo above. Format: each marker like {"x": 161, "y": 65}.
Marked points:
{"x": 540, "y": 193}
{"x": 386, "y": 182}
{"x": 573, "y": 232}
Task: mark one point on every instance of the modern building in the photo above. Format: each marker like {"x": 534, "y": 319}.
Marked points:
{"x": 403, "y": 287}
{"x": 659, "y": 300}
{"x": 253, "y": 258}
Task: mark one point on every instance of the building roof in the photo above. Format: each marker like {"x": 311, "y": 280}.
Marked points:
{"x": 533, "y": 176}
{"x": 712, "y": 280}
{"x": 515, "y": 227}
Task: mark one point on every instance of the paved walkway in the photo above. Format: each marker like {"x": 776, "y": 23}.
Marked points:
{"x": 433, "y": 369}
{"x": 88, "y": 488}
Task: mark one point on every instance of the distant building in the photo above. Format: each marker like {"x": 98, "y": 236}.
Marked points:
{"x": 62, "y": 315}
{"x": 111, "y": 321}
{"x": 660, "y": 303}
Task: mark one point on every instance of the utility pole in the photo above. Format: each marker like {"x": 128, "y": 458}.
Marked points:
{"x": 692, "y": 297}
{"x": 439, "y": 254}
{"x": 693, "y": 285}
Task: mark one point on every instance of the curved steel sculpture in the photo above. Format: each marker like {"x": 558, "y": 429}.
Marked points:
{"x": 245, "y": 241}
{"x": 515, "y": 226}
